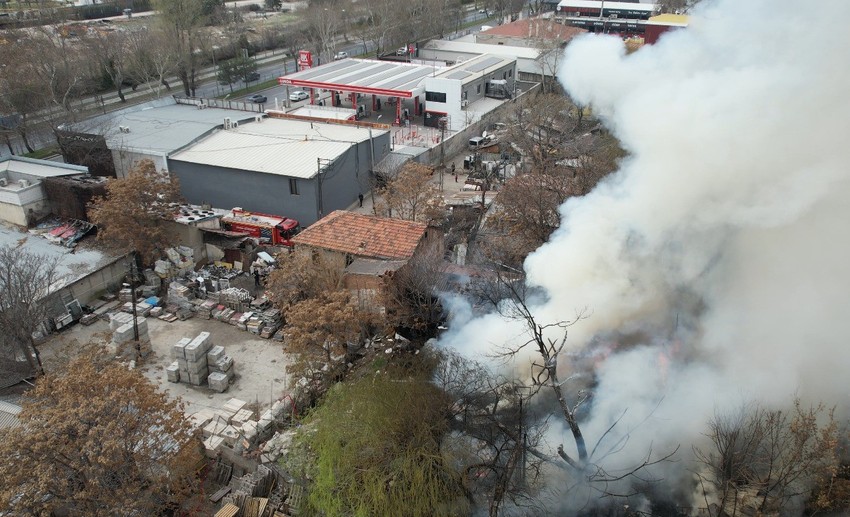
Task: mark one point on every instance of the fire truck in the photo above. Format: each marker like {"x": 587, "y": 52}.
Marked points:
{"x": 268, "y": 229}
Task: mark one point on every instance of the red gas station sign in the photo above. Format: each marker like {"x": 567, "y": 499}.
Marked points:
{"x": 305, "y": 59}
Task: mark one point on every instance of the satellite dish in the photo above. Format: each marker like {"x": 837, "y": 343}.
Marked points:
{"x": 484, "y": 134}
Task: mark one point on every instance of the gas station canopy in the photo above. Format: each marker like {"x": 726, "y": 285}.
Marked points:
{"x": 364, "y": 76}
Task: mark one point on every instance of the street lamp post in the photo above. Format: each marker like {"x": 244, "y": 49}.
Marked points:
{"x": 215, "y": 71}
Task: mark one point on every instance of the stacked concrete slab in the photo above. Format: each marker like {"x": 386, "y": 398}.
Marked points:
{"x": 197, "y": 361}
{"x": 121, "y": 325}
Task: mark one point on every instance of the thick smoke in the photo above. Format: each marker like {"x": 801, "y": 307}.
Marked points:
{"x": 722, "y": 238}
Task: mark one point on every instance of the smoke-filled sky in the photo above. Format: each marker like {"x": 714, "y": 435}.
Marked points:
{"x": 729, "y": 217}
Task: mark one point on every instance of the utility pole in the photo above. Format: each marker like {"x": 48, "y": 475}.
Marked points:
{"x": 132, "y": 278}
{"x": 442, "y": 151}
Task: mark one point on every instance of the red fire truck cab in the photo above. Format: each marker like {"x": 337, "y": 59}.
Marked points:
{"x": 268, "y": 229}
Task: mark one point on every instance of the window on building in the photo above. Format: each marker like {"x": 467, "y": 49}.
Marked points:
{"x": 504, "y": 75}
{"x": 293, "y": 186}
{"x": 510, "y": 73}
{"x": 465, "y": 93}
{"x": 478, "y": 88}
{"x": 435, "y": 97}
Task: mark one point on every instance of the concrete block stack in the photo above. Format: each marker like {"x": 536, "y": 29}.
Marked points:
{"x": 243, "y": 320}
{"x": 179, "y": 295}
{"x": 235, "y": 298}
{"x": 125, "y": 295}
{"x": 198, "y": 361}
{"x": 265, "y": 426}
{"x": 271, "y": 317}
{"x": 221, "y": 369}
{"x": 231, "y": 408}
{"x": 218, "y": 382}
{"x": 242, "y": 416}
{"x": 119, "y": 318}
{"x": 142, "y": 308}
{"x": 205, "y": 308}
{"x": 254, "y": 325}
{"x": 215, "y": 426}
{"x": 172, "y": 372}
{"x": 123, "y": 334}
{"x": 225, "y": 315}
{"x": 212, "y": 445}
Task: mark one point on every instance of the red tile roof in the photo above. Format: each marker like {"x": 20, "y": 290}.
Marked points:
{"x": 536, "y": 28}
{"x": 363, "y": 235}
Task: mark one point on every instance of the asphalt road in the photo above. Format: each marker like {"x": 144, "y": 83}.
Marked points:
{"x": 271, "y": 67}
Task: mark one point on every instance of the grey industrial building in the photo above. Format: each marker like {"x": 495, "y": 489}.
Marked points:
{"x": 112, "y": 144}
{"x": 294, "y": 168}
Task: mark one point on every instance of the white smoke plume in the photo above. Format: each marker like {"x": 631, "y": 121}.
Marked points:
{"x": 736, "y": 195}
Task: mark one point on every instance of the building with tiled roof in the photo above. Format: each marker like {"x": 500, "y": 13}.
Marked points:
{"x": 364, "y": 236}
{"x": 368, "y": 250}
{"x": 530, "y": 32}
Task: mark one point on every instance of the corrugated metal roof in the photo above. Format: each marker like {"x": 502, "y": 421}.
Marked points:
{"x": 9, "y": 415}
{"x": 40, "y": 168}
{"x": 596, "y": 4}
{"x": 536, "y": 28}
{"x": 483, "y": 48}
{"x": 365, "y": 73}
{"x": 478, "y": 64}
{"x": 275, "y": 146}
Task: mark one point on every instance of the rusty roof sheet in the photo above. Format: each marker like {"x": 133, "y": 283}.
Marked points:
{"x": 363, "y": 235}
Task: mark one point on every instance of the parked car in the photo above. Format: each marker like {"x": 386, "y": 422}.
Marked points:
{"x": 299, "y": 95}
{"x": 401, "y": 51}
{"x": 253, "y": 76}
{"x": 340, "y": 55}
{"x": 477, "y": 142}
{"x": 257, "y": 98}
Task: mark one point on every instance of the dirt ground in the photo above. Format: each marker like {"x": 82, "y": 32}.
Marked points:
{"x": 260, "y": 364}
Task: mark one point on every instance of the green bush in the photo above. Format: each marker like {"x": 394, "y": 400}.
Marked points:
{"x": 377, "y": 443}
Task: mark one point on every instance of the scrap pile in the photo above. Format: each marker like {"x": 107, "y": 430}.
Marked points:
{"x": 180, "y": 262}
{"x": 65, "y": 232}
{"x": 249, "y": 497}
{"x": 198, "y": 361}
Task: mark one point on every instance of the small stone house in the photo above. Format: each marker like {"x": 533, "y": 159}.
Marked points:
{"x": 368, "y": 248}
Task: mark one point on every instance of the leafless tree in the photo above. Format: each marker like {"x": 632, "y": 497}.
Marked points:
{"x": 584, "y": 464}
{"x": 496, "y": 437}
{"x": 108, "y": 51}
{"x": 376, "y": 23}
{"x": 26, "y": 282}
{"x": 150, "y": 59}
{"x": 765, "y": 461}
{"x": 324, "y": 21}
{"x": 411, "y": 296}
{"x": 181, "y": 22}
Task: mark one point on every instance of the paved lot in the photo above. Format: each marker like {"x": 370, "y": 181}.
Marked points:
{"x": 260, "y": 364}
